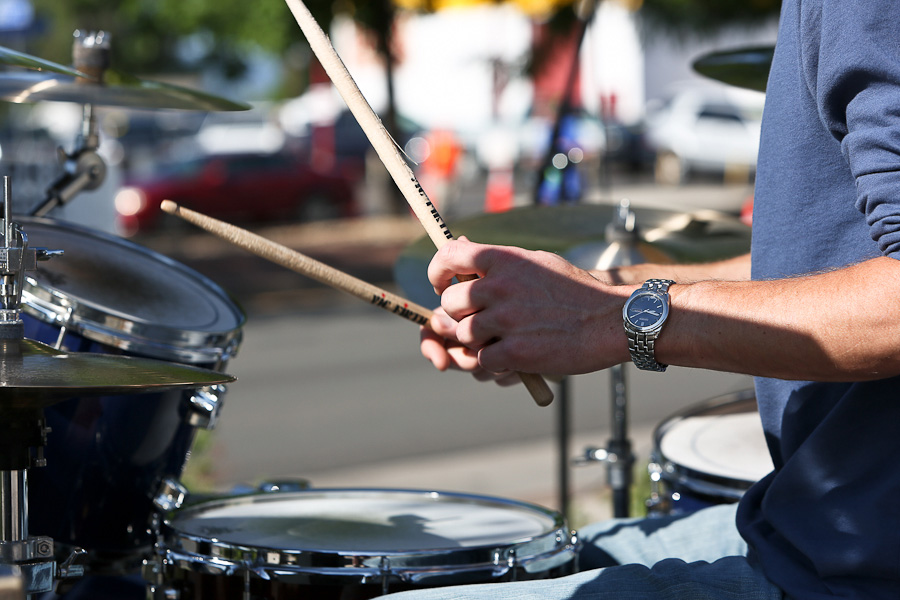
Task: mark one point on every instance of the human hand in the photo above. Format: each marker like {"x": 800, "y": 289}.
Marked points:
{"x": 438, "y": 344}
{"x": 528, "y": 311}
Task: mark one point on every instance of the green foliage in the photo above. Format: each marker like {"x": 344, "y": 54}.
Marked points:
{"x": 685, "y": 17}
{"x": 146, "y": 33}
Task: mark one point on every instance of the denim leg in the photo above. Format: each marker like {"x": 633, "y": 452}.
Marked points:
{"x": 730, "y": 578}
{"x": 698, "y": 556}
{"x": 706, "y": 535}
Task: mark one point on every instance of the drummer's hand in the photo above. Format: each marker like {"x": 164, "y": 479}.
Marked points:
{"x": 445, "y": 352}
{"x": 530, "y": 311}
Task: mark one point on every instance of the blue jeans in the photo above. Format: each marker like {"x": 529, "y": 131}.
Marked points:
{"x": 699, "y": 556}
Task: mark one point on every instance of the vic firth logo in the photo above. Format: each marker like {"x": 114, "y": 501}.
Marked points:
{"x": 434, "y": 212}
{"x": 404, "y": 311}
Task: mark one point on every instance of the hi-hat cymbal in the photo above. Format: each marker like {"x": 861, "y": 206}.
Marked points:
{"x": 118, "y": 89}
{"x": 13, "y": 58}
{"x": 745, "y": 67}
{"x": 35, "y": 375}
{"x": 581, "y": 233}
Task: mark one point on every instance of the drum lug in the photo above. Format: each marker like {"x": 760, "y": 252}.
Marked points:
{"x": 152, "y": 572}
{"x": 272, "y": 486}
{"x": 170, "y": 496}
{"x": 659, "y": 503}
{"x": 205, "y": 404}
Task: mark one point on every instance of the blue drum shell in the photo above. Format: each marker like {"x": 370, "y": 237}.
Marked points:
{"x": 108, "y": 456}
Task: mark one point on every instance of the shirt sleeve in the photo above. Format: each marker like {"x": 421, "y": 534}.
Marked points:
{"x": 851, "y": 62}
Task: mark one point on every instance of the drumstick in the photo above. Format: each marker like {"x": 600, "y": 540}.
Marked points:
{"x": 302, "y": 264}
{"x": 389, "y": 153}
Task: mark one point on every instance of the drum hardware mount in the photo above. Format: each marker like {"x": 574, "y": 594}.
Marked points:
{"x": 84, "y": 169}
{"x": 22, "y": 429}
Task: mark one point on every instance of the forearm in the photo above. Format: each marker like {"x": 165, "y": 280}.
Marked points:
{"x": 842, "y": 325}
{"x": 733, "y": 269}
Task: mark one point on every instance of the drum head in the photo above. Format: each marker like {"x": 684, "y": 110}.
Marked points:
{"x": 360, "y": 529}
{"x": 365, "y": 521}
{"x": 124, "y": 295}
{"x": 720, "y": 442}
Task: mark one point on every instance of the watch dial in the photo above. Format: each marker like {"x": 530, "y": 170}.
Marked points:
{"x": 646, "y": 310}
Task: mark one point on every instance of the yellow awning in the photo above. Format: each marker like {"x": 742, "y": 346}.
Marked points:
{"x": 530, "y": 7}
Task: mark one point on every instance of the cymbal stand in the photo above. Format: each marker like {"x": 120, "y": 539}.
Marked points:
{"x": 23, "y": 433}
{"x": 621, "y": 236}
{"x": 83, "y": 169}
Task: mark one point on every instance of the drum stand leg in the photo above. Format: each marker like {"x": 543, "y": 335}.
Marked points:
{"x": 620, "y": 458}
{"x": 617, "y": 455}
{"x": 30, "y": 559}
{"x": 563, "y": 431}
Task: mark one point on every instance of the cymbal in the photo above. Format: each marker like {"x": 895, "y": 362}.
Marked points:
{"x": 745, "y": 67}
{"x": 118, "y": 89}
{"x": 13, "y": 58}
{"x": 35, "y": 375}
{"x": 581, "y": 234}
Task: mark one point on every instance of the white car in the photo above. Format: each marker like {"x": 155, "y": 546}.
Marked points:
{"x": 712, "y": 130}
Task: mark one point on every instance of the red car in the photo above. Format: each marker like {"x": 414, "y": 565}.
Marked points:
{"x": 238, "y": 188}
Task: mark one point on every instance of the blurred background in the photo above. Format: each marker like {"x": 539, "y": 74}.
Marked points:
{"x": 499, "y": 106}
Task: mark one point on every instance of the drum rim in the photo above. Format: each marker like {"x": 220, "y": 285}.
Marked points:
{"x": 693, "y": 479}
{"x": 548, "y": 550}
{"x": 106, "y": 326}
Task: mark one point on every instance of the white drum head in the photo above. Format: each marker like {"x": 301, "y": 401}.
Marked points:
{"x": 724, "y": 445}
{"x": 366, "y": 522}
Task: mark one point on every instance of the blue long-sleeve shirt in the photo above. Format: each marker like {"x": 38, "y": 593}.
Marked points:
{"x": 826, "y": 523}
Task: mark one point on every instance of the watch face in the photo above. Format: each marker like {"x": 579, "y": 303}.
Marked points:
{"x": 646, "y": 311}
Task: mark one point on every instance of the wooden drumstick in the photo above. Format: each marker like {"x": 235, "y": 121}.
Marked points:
{"x": 389, "y": 153}
{"x": 302, "y": 264}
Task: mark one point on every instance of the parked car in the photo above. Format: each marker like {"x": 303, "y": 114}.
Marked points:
{"x": 239, "y": 188}
{"x": 706, "y": 130}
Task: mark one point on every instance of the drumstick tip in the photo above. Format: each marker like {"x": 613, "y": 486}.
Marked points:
{"x": 169, "y": 206}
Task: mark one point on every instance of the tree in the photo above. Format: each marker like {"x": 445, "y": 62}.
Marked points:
{"x": 687, "y": 17}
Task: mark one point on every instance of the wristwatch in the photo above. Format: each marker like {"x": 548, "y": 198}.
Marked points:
{"x": 644, "y": 314}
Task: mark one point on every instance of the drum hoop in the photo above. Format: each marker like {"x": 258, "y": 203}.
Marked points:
{"x": 551, "y": 549}
{"x": 106, "y": 326}
{"x": 693, "y": 479}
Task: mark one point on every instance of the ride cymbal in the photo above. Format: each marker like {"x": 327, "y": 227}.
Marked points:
{"x": 745, "y": 67}
{"x": 582, "y": 233}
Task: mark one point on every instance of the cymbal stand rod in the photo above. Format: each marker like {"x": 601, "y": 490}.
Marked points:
{"x": 84, "y": 169}
{"x": 13, "y": 506}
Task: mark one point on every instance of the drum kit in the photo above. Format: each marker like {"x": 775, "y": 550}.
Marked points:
{"x": 112, "y": 357}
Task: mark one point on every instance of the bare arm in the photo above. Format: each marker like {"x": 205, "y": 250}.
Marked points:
{"x": 733, "y": 269}
{"x": 842, "y": 325}
{"x": 534, "y": 312}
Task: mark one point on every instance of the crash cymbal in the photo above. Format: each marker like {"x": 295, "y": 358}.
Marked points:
{"x": 118, "y": 89}
{"x": 745, "y": 67}
{"x": 13, "y": 58}
{"x": 35, "y": 375}
{"x": 582, "y": 234}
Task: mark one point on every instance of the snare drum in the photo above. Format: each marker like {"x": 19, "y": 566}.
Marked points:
{"x": 709, "y": 454}
{"x": 354, "y": 543}
{"x": 111, "y": 460}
